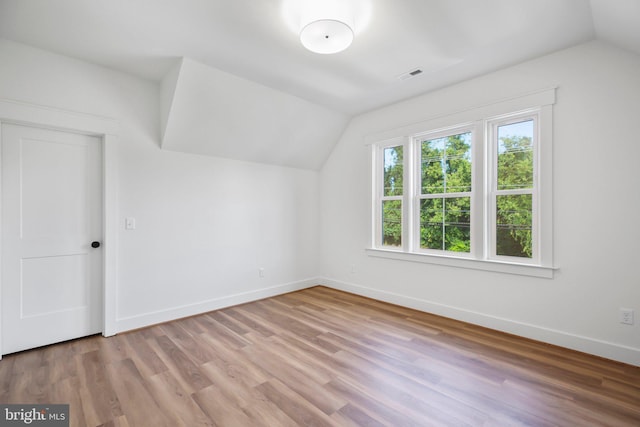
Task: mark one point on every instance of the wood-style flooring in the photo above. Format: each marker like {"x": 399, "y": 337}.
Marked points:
{"x": 320, "y": 357}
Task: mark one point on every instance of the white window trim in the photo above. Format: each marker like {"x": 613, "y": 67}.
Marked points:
{"x": 468, "y": 263}
{"x": 541, "y": 265}
{"x": 378, "y": 160}
{"x": 415, "y": 160}
{"x": 492, "y": 178}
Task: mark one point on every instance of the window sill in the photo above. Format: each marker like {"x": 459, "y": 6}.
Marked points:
{"x": 474, "y": 264}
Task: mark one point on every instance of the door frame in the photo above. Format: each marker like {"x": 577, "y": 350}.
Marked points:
{"x": 106, "y": 129}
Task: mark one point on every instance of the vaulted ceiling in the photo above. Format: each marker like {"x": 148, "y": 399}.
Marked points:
{"x": 263, "y": 97}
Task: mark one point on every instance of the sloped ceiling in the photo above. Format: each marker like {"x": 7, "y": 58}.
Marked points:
{"x": 236, "y": 82}
{"x": 208, "y": 111}
{"x": 618, "y": 22}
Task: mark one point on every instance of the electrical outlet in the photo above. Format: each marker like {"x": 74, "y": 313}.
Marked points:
{"x": 626, "y": 316}
{"x": 261, "y": 272}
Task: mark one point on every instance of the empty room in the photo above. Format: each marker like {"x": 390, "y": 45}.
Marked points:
{"x": 319, "y": 213}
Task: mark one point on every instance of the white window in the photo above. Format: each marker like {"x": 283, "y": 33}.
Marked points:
{"x": 513, "y": 191}
{"x": 444, "y": 191}
{"x": 474, "y": 194}
{"x": 391, "y": 197}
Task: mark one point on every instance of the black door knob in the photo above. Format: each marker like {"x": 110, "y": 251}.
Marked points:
{"x": 95, "y": 244}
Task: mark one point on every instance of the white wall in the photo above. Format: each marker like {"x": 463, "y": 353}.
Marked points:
{"x": 210, "y": 107}
{"x": 204, "y": 225}
{"x": 596, "y": 204}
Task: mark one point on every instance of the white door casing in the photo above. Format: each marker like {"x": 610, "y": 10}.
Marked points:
{"x": 51, "y": 213}
{"x": 105, "y": 129}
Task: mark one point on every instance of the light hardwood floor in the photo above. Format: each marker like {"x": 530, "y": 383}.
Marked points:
{"x": 321, "y": 357}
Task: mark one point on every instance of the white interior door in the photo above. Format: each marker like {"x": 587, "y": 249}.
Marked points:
{"x": 51, "y": 287}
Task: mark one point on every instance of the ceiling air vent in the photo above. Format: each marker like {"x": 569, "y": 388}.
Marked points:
{"x": 410, "y": 74}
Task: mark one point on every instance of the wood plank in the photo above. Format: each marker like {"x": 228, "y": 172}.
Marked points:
{"x": 96, "y": 387}
{"x": 145, "y": 358}
{"x": 180, "y": 363}
{"x": 322, "y": 357}
{"x": 138, "y": 404}
{"x": 178, "y": 406}
{"x": 291, "y": 403}
{"x": 68, "y": 392}
{"x": 220, "y": 410}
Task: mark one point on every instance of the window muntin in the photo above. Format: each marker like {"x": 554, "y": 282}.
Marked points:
{"x": 515, "y": 155}
{"x": 445, "y": 224}
{"x": 445, "y": 164}
{"x": 393, "y": 171}
{"x": 485, "y": 253}
{"x": 391, "y": 202}
{"x": 513, "y": 187}
{"x": 514, "y": 225}
{"x": 445, "y": 192}
{"x": 468, "y": 192}
{"x": 392, "y": 223}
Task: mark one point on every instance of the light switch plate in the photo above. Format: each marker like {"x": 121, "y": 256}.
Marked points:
{"x": 130, "y": 223}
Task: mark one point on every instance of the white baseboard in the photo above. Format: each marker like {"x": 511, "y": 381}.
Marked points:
{"x": 584, "y": 344}
{"x": 153, "y": 318}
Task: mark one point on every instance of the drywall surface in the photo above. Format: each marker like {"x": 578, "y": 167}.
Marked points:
{"x": 216, "y": 113}
{"x": 204, "y": 225}
{"x": 596, "y": 200}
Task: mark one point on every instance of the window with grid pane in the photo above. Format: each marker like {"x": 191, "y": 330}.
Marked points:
{"x": 514, "y": 187}
{"x": 471, "y": 192}
{"x": 393, "y": 190}
{"x": 445, "y": 193}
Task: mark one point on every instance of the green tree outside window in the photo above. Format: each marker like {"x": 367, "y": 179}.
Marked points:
{"x": 445, "y": 221}
{"x": 514, "y": 212}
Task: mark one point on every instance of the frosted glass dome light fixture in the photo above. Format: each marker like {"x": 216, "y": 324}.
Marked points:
{"x": 326, "y": 26}
{"x": 326, "y": 36}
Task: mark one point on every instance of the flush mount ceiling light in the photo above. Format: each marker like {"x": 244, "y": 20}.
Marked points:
{"x": 326, "y": 26}
{"x": 326, "y": 36}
